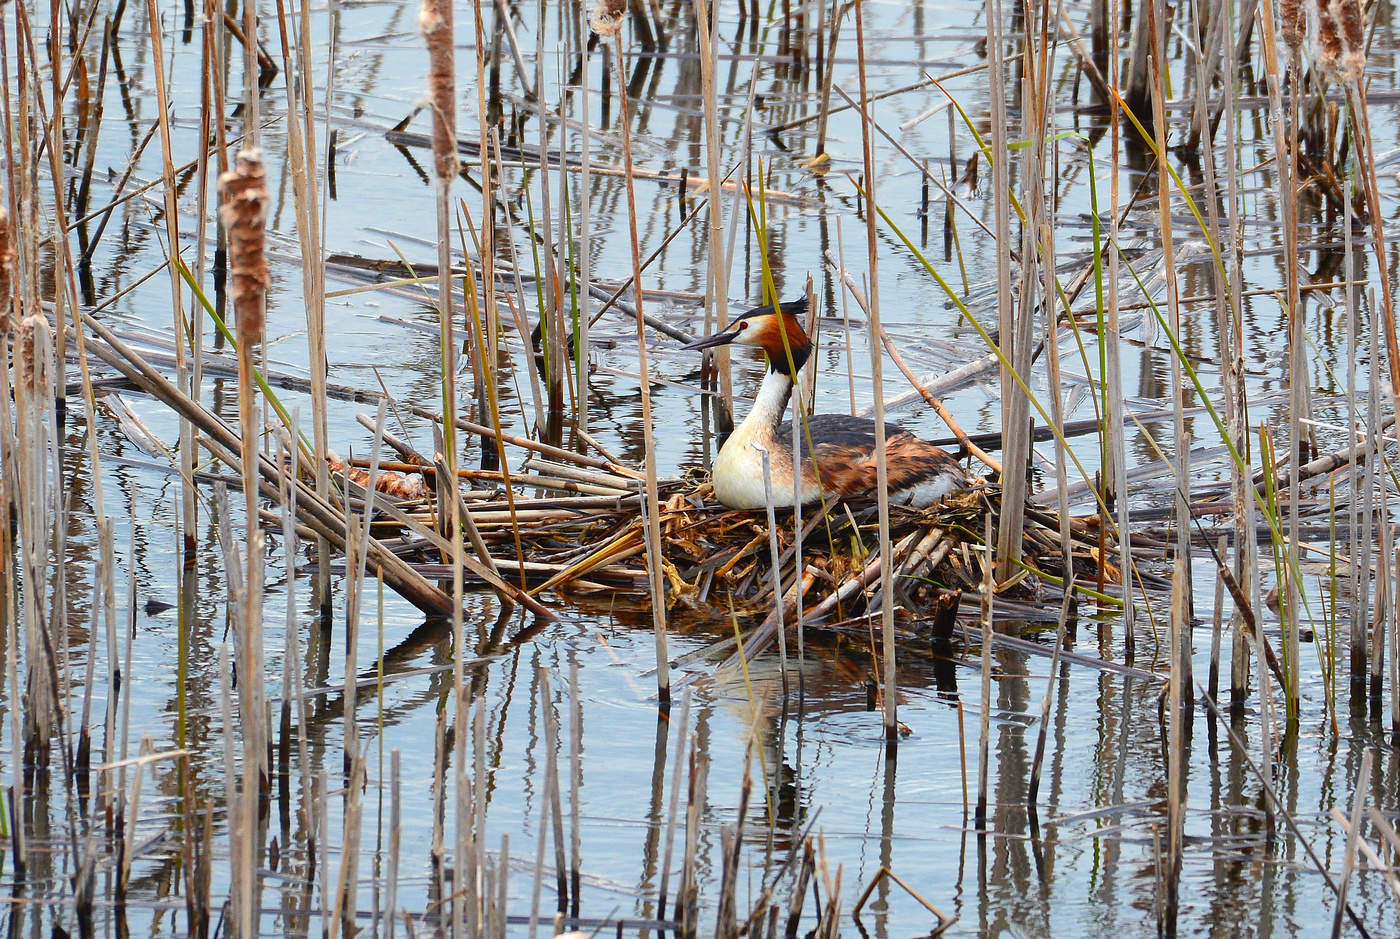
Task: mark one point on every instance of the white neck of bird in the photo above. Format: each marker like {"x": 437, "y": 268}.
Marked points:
{"x": 769, "y": 404}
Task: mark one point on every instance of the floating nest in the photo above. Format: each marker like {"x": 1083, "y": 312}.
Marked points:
{"x": 575, "y": 533}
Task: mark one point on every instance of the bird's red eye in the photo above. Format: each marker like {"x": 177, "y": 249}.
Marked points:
{"x": 743, "y": 324}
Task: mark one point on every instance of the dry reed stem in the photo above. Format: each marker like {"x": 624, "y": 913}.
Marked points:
{"x": 1358, "y": 806}
{"x": 306, "y": 182}
{"x": 244, "y": 212}
{"x": 1285, "y": 131}
{"x": 34, "y": 428}
{"x": 1015, "y": 406}
{"x": 988, "y": 637}
{"x": 882, "y": 494}
{"x": 717, "y": 283}
{"x": 1231, "y": 337}
{"x": 1181, "y": 638}
{"x": 653, "y": 530}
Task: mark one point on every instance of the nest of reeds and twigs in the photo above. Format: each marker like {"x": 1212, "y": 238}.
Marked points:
{"x": 724, "y": 558}
{"x": 571, "y": 531}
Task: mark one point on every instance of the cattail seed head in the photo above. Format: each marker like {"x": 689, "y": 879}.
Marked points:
{"x": 244, "y": 191}
{"x": 605, "y": 18}
{"x": 35, "y": 353}
{"x": 1293, "y": 23}
{"x": 435, "y": 22}
{"x": 1338, "y": 30}
{"x": 7, "y": 271}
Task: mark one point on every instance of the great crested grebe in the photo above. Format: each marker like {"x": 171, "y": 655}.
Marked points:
{"x": 841, "y": 461}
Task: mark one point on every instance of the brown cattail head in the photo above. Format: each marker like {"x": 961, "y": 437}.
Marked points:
{"x": 435, "y": 21}
{"x": 244, "y": 191}
{"x": 394, "y": 484}
{"x": 35, "y": 352}
{"x": 1340, "y": 39}
{"x": 1293, "y": 22}
{"x": 605, "y": 18}
{"x": 7, "y": 271}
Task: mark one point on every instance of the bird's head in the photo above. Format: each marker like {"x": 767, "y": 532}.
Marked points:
{"x": 777, "y": 332}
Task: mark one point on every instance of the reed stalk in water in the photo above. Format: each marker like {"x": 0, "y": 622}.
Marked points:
{"x": 244, "y": 212}
{"x": 172, "y": 232}
{"x": 305, "y": 171}
{"x": 583, "y": 193}
{"x": 606, "y": 20}
{"x": 436, "y": 23}
{"x": 1181, "y": 626}
{"x": 717, "y": 280}
{"x": 1015, "y": 406}
{"x": 1284, "y": 122}
{"x": 36, "y": 434}
{"x": 882, "y": 475}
